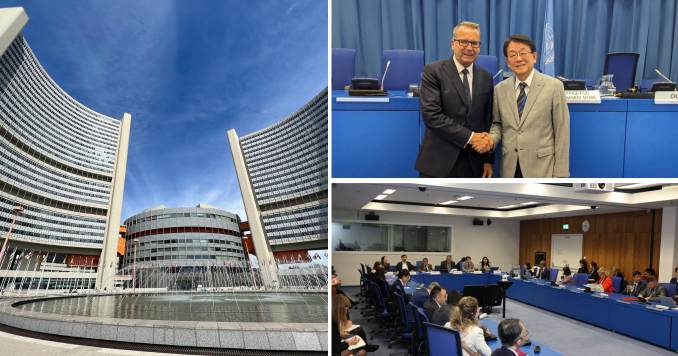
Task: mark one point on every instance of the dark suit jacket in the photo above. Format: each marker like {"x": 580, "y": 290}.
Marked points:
{"x": 503, "y": 351}
{"x": 444, "y": 267}
{"x": 426, "y": 268}
{"x": 635, "y": 291}
{"x": 410, "y": 266}
{"x": 658, "y": 291}
{"x": 430, "y": 307}
{"x": 420, "y": 297}
{"x": 674, "y": 280}
{"x": 450, "y": 118}
{"x": 441, "y": 316}
{"x": 397, "y": 286}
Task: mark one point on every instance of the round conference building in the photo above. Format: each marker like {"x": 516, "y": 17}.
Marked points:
{"x": 62, "y": 169}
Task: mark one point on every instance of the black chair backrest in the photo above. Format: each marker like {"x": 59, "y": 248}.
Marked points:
{"x": 623, "y": 66}
{"x": 442, "y": 341}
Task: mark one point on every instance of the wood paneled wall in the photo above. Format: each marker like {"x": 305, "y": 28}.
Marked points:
{"x": 621, "y": 239}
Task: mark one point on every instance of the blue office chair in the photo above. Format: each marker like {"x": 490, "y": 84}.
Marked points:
{"x": 616, "y": 284}
{"x": 522, "y": 270}
{"x": 343, "y": 67}
{"x": 553, "y": 277}
{"x": 418, "y": 265}
{"x": 405, "y": 69}
{"x": 670, "y": 288}
{"x": 623, "y": 66}
{"x": 442, "y": 341}
{"x": 490, "y": 64}
{"x": 580, "y": 279}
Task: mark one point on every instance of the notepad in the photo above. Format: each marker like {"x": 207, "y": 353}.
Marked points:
{"x": 353, "y": 327}
{"x": 360, "y": 343}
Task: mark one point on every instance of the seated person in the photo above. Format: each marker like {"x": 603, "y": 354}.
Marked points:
{"x": 674, "y": 280}
{"x": 605, "y": 280}
{"x": 404, "y": 264}
{"x": 566, "y": 277}
{"x": 448, "y": 264}
{"x": 465, "y": 321}
{"x": 460, "y": 264}
{"x": 341, "y": 323}
{"x": 583, "y": 266}
{"x": 513, "y": 334}
{"x": 636, "y": 286}
{"x": 437, "y": 300}
{"x": 653, "y": 290}
{"x": 594, "y": 277}
{"x": 376, "y": 266}
{"x": 648, "y": 273}
{"x": 528, "y": 271}
{"x": 425, "y": 266}
{"x": 399, "y": 284}
{"x": 385, "y": 262}
{"x": 442, "y": 315}
{"x": 379, "y": 273}
{"x": 485, "y": 265}
{"x": 468, "y": 265}
{"x": 541, "y": 271}
{"x": 421, "y": 295}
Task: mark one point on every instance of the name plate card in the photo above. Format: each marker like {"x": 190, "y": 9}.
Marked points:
{"x": 582, "y": 96}
{"x": 666, "y": 97}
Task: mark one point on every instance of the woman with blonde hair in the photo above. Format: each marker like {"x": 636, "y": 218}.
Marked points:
{"x": 342, "y": 339}
{"x": 464, "y": 319}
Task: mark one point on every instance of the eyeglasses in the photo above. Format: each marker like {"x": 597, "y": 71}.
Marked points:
{"x": 523, "y": 54}
{"x": 464, "y": 43}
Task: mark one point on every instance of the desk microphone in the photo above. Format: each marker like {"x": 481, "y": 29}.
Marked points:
{"x": 496, "y": 75}
{"x": 384, "y": 76}
{"x": 561, "y": 78}
{"x": 668, "y": 85}
{"x": 663, "y": 76}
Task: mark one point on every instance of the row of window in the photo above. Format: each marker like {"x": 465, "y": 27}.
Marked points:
{"x": 46, "y": 201}
{"x": 188, "y": 241}
{"x": 183, "y": 229}
{"x": 51, "y": 217}
{"x": 180, "y": 257}
{"x": 134, "y": 221}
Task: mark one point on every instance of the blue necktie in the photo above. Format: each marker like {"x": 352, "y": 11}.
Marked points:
{"x": 522, "y": 98}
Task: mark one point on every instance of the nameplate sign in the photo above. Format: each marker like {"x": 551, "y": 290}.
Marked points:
{"x": 582, "y": 96}
{"x": 361, "y": 99}
{"x": 666, "y": 97}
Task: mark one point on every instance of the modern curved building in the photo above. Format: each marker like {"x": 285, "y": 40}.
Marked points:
{"x": 62, "y": 172}
{"x": 282, "y": 171}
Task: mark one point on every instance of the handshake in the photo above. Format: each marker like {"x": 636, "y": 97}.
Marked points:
{"x": 481, "y": 142}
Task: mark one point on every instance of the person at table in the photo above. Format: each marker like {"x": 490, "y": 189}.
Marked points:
{"x": 448, "y": 264}
{"x": 513, "y": 334}
{"x": 648, "y": 274}
{"x": 594, "y": 277}
{"x": 465, "y": 321}
{"x": 674, "y": 279}
{"x": 404, "y": 264}
{"x": 528, "y": 271}
{"x": 468, "y": 265}
{"x": 485, "y": 264}
{"x": 460, "y": 264}
{"x": 616, "y": 272}
{"x": 399, "y": 284}
{"x": 437, "y": 300}
{"x": 636, "y": 286}
{"x": 442, "y": 315}
{"x": 386, "y": 263}
{"x": 540, "y": 271}
{"x": 379, "y": 272}
{"x": 567, "y": 277}
{"x": 456, "y": 107}
{"x": 583, "y": 266}
{"x": 653, "y": 290}
{"x": 605, "y": 280}
{"x": 341, "y": 324}
{"x": 421, "y": 295}
{"x": 530, "y": 117}
{"x": 425, "y": 266}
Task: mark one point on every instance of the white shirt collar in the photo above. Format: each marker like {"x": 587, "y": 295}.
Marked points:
{"x": 527, "y": 81}
{"x": 460, "y": 67}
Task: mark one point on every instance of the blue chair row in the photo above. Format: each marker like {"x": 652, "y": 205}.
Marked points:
{"x": 442, "y": 341}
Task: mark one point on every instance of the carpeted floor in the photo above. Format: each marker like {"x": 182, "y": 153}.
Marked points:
{"x": 562, "y": 334}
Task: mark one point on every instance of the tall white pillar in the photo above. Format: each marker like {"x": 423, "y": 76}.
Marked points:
{"x": 108, "y": 262}
{"x": 668, "y": 248}
{"x": 267, "y": 264}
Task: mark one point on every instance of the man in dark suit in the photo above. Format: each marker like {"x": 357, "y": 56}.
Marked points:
{"x": 421, "y": 295}
{"x": 456, "y": 106}
{"x": 437, "y": 300}
{"x": 404, "y": 264}
{"x": 513, "y": 334}
{"x": 400, "y": 283}
{"x": 638, "y": 285}
{"x": 448, "y": 264}
{"x": 653, "y": 290}
{"x": 442, "y": 315}
{"x": 674, "y": 280}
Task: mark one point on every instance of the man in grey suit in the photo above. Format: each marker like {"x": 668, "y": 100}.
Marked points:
{"x": 530, "y": 115}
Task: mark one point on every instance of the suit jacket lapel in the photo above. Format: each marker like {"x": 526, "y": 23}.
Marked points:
{"x": 509, "y": 92}
{"x": 535, "y": 90}
{"x": 456, "y": 80}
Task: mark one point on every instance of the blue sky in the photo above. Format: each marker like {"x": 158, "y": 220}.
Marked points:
{"x": 187, "y": 71}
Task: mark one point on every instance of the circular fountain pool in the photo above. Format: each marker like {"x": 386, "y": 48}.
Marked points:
{"x": 212, "y": 307}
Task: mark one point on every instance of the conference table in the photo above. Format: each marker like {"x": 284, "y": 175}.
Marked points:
{"x": 642, "y": 322}
{"x": 379, "y": 137}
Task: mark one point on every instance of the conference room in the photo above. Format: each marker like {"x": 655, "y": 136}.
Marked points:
{"x": 548, "y": 269}
{"x": 608, "y": 67}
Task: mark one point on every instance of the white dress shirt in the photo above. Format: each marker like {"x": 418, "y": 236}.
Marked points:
{"x": 460, "y": 67}
{"x": 527, "y": 81}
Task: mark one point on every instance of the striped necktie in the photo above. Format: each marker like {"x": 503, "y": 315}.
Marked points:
{"x": 522, "y": 98}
